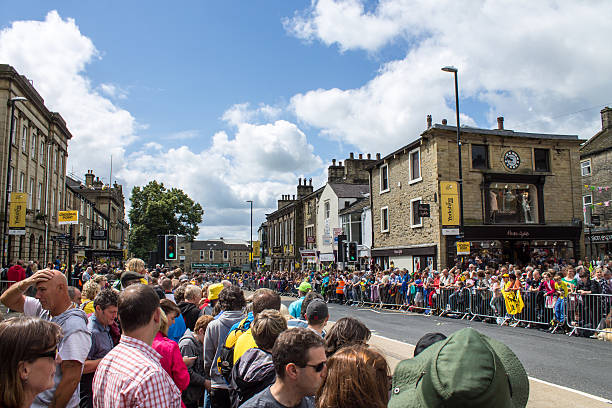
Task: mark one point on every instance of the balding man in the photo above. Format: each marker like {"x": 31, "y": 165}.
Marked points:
{"x": 53, "y": 303}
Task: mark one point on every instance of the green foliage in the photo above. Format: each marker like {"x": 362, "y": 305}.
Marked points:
{"x": 159, "y": 211}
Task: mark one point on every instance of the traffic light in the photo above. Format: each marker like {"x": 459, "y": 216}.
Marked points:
{"x": 352, "y": 252}
{"x": 341, "y": 248}
{"x": 170, "y": 247}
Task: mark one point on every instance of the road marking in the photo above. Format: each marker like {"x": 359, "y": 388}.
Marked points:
{"x": 584, "y": 394}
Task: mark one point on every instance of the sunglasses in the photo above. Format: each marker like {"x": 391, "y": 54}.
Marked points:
{"x": 317, "y": 367}
{"x": 49, "y": 354}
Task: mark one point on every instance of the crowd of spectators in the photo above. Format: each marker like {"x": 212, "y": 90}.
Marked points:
{"x": 167, "y": 339}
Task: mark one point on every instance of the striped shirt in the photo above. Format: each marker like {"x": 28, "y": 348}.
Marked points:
{"x": 131, "y": 375}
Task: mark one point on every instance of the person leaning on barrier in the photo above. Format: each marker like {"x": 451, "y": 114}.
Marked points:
{"x": 53, "y": 303}
{"x": 28, "y": 349}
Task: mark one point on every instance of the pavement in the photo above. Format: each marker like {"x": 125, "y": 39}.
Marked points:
{"x": 563, "y": 371}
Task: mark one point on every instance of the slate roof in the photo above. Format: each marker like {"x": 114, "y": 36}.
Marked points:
{"x": 350, "y": 190}
{"x": 602, "y": 141}
{"x": 357, "y": 206}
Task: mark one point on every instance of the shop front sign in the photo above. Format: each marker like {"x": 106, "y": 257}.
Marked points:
{"x": 463, "y": 248}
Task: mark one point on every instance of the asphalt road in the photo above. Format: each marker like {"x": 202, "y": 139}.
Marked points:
{"x": 583, "y": 364}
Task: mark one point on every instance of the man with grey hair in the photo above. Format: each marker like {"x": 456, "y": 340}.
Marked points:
{"x": 190, "y": 306}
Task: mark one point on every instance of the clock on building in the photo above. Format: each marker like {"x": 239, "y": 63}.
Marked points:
{"x": 512, "y": 160}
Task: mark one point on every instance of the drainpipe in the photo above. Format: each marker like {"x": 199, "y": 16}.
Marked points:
{"x": 47, "y": 202}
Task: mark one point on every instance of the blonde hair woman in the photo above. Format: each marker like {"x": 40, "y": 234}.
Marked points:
{"x": 135, "y": 265}
{"x": 90, "y": 290}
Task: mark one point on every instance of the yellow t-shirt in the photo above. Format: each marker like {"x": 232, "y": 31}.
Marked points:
{"x": 562, "y": 287}
{"x": 89, "y": 306}
{"x": 243, "y": 343}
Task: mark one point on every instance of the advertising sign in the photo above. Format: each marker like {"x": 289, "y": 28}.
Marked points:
{"x": 463, "y": 248}
{"x": 17, "y": 214}
{"x": 449, "y": 203}
{"x": 67, "y": 217}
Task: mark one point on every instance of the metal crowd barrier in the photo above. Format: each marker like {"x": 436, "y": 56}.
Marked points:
{"x": 5, "y": 284}
{"x": 588, "y": 314}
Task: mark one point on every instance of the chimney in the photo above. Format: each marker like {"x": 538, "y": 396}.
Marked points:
{"x": 333, "y": 162}
{"x": 360, "y": 156}
{"x": 89, "y": 178}
{"x": 352, "y": 155}
{"x": 340, "y": 163}
{"x": 377, "y": 156}
{"x": 300, "y": 181}
{"x": 500, "y": 123}
{"x": 310, "y": 182}
{"x": 294, "y": 197}
{"x": 606, "y": 118}
{"x": 428, "y": 121}
{"x": 444, "y": 122}
{"x": 369, "y": 156}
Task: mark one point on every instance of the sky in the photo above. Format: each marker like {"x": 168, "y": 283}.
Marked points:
{"x": 235, "y": 100}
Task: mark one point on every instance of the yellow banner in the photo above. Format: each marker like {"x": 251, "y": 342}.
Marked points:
{"x": 256, "y": 249}
{"x": 463, "y": 248}
{"x": 67, "y": 217}
{"x": 17, "y": 213}
{"x": 449, "y": 203}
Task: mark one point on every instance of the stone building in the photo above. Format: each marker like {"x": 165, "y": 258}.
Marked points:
{"x": 110, "y": 202}
{"x": 521, "y": 197}
{"x": 211, "y": 255}
{"x": 596, "y": 171}
{"x": 93, "y": 223}
{"x": 39, "y": 147}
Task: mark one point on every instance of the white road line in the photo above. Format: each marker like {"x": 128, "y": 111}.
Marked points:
{"x": 584, "y": 394}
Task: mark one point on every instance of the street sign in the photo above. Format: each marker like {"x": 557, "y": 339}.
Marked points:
{"x": 67, "y": 217}
{"x": 463, "y": 248}
{"x": 424, "y": 210}
{"x": 98, "y": 235}
{"x": 79, "y": 247}
{"x": 450, "y": 231}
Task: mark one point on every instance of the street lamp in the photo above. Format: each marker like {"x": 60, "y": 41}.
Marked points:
{"x": 454, "y": 71}
{"x": 251, "y": 247}
{"x": 11, "y": 103}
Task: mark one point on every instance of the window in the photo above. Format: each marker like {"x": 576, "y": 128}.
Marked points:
{"x": 24, "y": 139}
{"x": 480, "y": 156}
{"x": 30, "y": 196}
{"x": 415, "y": 220}
{"x": 33, "y": 146}
{"x": 585, "y": 167}
{"x": 587, "y": 200}
{"x": 39, "y": 196}
{"x": 541, "y": 159}
{"x": 21, "y": 182}
{"x": 326, "y": 209}
{"x": 384, "y": 219}
{"x": 54, "y": 159}
{"x": 87, "y": 236}
{"x": 511, "y": 203}
{"x": 82, "y": 209}
{"x": 41, "y": 153}
{"x": 415, "y": 166}
{"x": 10, "y": 177}
{"x": 384, "y": 178}
{"x": 53, "y": 212}
{"x": 60, "y": 203}
{"x": 225, "y": 255}
{"x": 182, "y": 250}
{"x": 13, "y": 136}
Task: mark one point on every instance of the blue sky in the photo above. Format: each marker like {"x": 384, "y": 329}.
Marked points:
{"x": 235, "y": 100}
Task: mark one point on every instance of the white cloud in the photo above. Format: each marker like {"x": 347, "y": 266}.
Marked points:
{"x": 243, "y": 113}
{"x": 259, "y": 162}
{"x": 528, "y": 61}
{"x": 113, "y": 91}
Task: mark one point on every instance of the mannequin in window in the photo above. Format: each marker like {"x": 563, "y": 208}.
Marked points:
{"x": 493, "y": 204}
{"x": 526, "y": 208}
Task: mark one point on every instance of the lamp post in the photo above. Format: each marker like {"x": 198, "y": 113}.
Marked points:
{"x": 454, "y": 71}
{"x": 251, "y": 246}
{"x": 11, "y": 103}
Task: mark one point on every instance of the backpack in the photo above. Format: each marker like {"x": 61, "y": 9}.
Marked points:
{"x": 225, "y": 362}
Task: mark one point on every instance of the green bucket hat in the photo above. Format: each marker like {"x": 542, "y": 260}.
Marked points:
{"x": 468, "y": 369}
{"x": 305, "y": 287}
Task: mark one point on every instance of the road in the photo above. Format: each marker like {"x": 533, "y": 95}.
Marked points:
{"x": 581, "y": 364}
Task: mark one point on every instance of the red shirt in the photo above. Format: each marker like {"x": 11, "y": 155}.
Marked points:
{"x": 16, "y": 274}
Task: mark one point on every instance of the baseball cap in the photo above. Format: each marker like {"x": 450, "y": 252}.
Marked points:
{"x": 129, "y": 276}
{"x": 305, "y": 287}
{"x": 317, "y": 311}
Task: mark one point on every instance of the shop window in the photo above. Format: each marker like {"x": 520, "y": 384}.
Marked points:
{"x": 384, "y": 178}
{"x": 415, "y": 220}
{"x": 511, "y": 203}
{"x": 415, "y": 166}
{"x": 541, "y": 159}
{"x": 480, "y": 156}
{"x": 384, "y": 219}
{"x": 585, "y": 167}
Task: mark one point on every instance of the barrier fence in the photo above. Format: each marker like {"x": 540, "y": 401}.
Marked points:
{"x": 578, "y": 314}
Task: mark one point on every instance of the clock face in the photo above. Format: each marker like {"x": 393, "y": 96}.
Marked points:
{"x": 512, "y": 160}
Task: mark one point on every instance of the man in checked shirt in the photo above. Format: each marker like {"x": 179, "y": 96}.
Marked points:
{"x": 131, "y": 375}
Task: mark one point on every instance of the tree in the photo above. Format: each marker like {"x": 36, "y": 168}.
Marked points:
{"x": 157, "y": 210}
